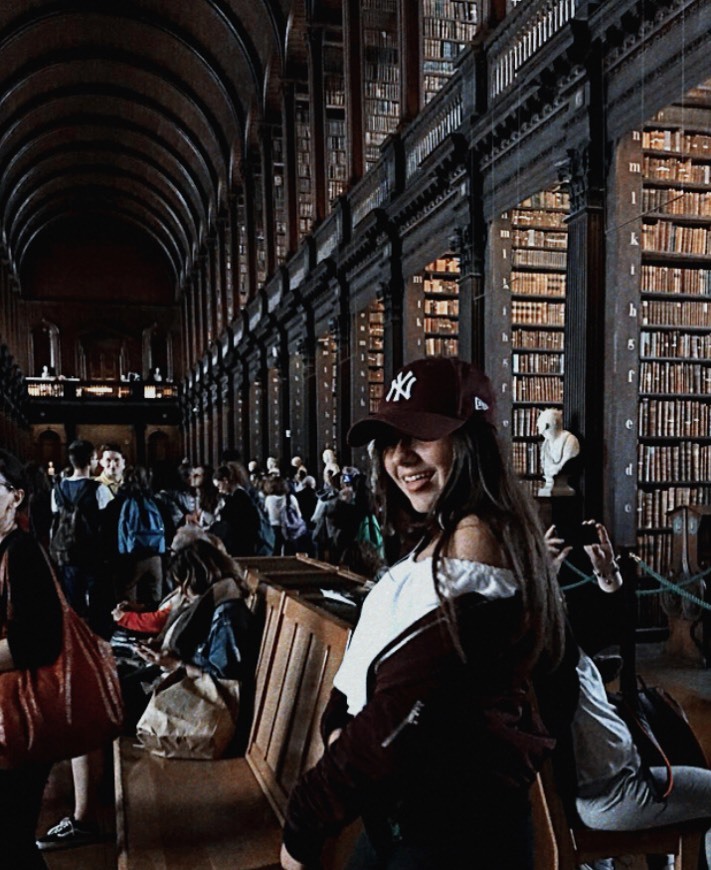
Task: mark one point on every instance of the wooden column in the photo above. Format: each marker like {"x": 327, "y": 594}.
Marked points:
{"x": 584, "y": 322}
{"x": 306, "y": 350}
{"x": 410, "y": 19}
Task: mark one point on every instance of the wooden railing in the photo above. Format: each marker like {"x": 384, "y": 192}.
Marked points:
{"x": 529, "y": 27}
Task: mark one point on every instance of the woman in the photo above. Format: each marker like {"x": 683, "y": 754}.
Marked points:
{"x": 134, "y": 528}
{"x": 598, "y": 766}
{"x": 275, "y": 493}
{"x": 430, "y": 733}
{"x": 31, "y": 632}
{"x": 206, "y": 496}
{"x": 211, "y": 630}
{"x": 237, "y": 518}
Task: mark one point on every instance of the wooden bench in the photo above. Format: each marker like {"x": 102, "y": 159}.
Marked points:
{"x": 228, "y": 813}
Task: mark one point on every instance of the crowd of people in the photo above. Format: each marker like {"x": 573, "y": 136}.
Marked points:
{"x": 431, "y": 734}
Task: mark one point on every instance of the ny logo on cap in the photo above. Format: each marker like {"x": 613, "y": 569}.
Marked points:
{"x": 401, "y": 387}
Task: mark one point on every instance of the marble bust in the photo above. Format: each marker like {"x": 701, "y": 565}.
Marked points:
{"x": 559, "y": 446}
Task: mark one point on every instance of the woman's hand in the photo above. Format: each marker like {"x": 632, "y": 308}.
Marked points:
{"x": 164, "y": 660}
{"x": 556, "y": 548}
{"x": 121, "y": 608}
{"x": 289, "y": 863}
{"x": 602, "y": 557}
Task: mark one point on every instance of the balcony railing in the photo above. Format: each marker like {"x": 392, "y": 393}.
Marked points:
{"x": 72, "y": 389}
{"x": 526, "y": 30}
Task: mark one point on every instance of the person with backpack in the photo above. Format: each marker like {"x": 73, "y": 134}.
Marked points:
{"x": 135, "y": 535}
{"x": 237, "y": 519}
{"x": 75, "y": 540}
{"x": 297, "y": 538}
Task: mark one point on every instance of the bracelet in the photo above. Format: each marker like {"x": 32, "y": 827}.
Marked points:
{"x": 610, "y": 577}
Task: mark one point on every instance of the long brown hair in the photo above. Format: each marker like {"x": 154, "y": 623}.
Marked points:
{"x": 199, "y": 564}
{"x": 482, "y": 483}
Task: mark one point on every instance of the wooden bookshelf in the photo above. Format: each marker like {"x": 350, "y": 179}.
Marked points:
{"x": 279, "y": 195}
{"x": 537, "y": 239}
{"x": 674, "y": 411}
{"x": 369, "y": 373}
{"x": 260, "y": 242}
{"x": 304, "y": 186}
{"x": 448, "y": 26}
{"x": 242, "y": 271}
{"x": 381, "y": 74}
{"x": 440, "y": 307}
{"x": 335, "y": 94}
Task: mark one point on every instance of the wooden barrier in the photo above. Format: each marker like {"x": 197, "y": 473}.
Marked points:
{"x": 228, "y": 813}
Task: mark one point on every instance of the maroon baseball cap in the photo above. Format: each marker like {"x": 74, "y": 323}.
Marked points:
{"x": 428, "y": 399}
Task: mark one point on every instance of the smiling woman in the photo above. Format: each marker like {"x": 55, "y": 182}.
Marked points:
{"x": 430, "y": 726}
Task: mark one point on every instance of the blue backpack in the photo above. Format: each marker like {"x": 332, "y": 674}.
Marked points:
{"x": 140, "y": 527}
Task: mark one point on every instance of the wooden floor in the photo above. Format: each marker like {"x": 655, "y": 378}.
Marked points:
{"x": 691, "y": 686}
{"x": 58, "y": 803}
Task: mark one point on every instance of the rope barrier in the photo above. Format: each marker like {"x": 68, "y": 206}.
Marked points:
{"x": 667, "y": 586}
{"x": 587, "y": 578}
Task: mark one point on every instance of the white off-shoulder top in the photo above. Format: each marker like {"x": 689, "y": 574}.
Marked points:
{"x": 403, "y": 595}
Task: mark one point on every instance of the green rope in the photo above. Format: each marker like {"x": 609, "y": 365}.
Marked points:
{"x": 667, "y": 586}
{"x": 587, "y": 578}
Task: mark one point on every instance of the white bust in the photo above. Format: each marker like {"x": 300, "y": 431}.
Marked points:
{"x": 559, "y": 446}
{"x": 331, "y": 467}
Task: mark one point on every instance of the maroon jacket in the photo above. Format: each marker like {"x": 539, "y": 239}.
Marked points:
{"x": 439, "y": 743}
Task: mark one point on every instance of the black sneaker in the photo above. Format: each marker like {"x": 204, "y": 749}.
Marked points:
{"x": 69, "y": 833}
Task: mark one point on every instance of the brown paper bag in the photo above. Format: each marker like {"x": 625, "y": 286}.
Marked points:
{"x": 190, "y": 717}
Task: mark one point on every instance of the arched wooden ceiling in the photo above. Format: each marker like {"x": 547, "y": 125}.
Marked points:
{"x": 128, "y": 110}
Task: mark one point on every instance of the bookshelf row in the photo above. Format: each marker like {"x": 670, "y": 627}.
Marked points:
{"x": 675, "y": 344}
{"x": 686, "y": 460}
{"x": 663, "y": 377}
{"x": 677, "y": 141}
{"x": 539, "y": 258}
{"x": 537, "y": 363}
{"x": 526, "y": 458}
{"x": 668, "y": 237}
{"x": 538, "y": 313}
{"x": 656, "y": 312}
{"x": 538, "y": 389}
{"x": 671, "y": 169}
{"x": 653, "y": 507}
{"x": 674, "y": 418}
{"x": 676, "y": 201}
{"x": 676, "y": 280}
{"x": 522, "y": 339}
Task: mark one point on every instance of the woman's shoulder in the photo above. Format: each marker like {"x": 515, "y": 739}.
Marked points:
{"x": 474, "y": 541}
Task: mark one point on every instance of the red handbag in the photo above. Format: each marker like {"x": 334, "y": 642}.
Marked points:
{"x": 64, "y": 709}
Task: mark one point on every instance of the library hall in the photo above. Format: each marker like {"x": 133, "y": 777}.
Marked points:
{"x": 355, "y": 434}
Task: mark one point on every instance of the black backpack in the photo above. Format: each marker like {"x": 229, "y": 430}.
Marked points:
{"x": 73, "y": 537}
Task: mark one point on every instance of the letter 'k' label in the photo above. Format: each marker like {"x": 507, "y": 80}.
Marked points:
{"x": 401, "y": 387}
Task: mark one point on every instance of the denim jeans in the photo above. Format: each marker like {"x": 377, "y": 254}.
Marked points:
{"x": 631, "y": 803}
